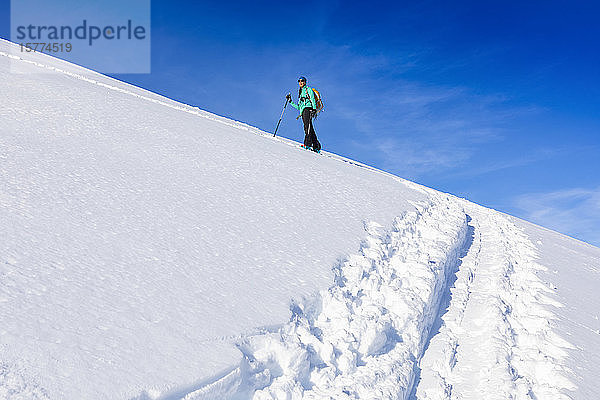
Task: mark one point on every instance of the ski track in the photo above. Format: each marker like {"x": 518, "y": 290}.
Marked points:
{"x": 374, "y": 333}
{"x": 469, "y": 272}
{"x": 496, "y": 339}
{"x": 14, "y": 386}
{"x": 362, "y": 338}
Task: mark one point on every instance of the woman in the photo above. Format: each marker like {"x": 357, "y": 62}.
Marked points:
{"x": 307, "y": 106}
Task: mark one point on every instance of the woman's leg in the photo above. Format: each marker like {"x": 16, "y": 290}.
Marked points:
{"x": 311, "y": 135}
{"x": 307, "y": 127}
{"x": 313, "y": 138}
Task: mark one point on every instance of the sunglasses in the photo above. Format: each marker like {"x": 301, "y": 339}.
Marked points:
{"x": 302, "y": 81}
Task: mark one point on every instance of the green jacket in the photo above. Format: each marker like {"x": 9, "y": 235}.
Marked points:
{"x": 307, "y": 99}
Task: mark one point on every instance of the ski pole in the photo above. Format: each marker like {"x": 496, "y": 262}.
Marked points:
{"x": 280, "y": 118}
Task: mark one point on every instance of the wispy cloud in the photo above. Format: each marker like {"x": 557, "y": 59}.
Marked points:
{"x": 417, "y": 128}
{"x": 573, "y": 211}
{"x": 536, "y": 155}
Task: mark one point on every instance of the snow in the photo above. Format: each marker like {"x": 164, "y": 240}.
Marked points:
{"x": 362, "y": 337}
{"x": 495, "y": 339}
{"x": 573, "y": 272}
{"x": 152, "y": 250}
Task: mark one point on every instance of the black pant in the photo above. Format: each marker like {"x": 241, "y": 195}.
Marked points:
{"x": 310, "y": 137}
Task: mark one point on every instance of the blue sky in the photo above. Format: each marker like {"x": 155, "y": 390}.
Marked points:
{"x": 498, "y": 102}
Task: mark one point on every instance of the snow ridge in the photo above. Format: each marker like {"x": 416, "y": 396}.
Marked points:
{"x": 154, "y": 98}
{"x": 496, "y": 341}
{"x": 48, "y": 63}
{"x": 363, "y": 337}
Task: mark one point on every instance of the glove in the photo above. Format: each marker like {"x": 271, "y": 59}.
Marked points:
{"x": 288, "y": 97}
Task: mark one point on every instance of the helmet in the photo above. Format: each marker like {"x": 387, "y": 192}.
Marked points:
{"x": 302, "y": 78}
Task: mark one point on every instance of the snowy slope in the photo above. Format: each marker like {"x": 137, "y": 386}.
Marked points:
{"x": 154, "y": 250}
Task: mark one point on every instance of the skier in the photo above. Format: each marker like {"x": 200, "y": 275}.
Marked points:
{"x": 307, "y": 105}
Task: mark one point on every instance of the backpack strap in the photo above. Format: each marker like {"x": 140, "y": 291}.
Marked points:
{"x": 308, "y": 89}
{"x": 300, "y": 97}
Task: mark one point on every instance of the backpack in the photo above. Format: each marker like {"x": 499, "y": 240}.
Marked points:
{"x": 318, "y": 100}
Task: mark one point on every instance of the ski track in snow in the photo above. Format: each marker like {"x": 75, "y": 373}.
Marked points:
{"x": 363, "y": 337}
{"x": 15, "y": 387}
{"x": 448, "y": 302}
{"x": 496, "y": 340}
